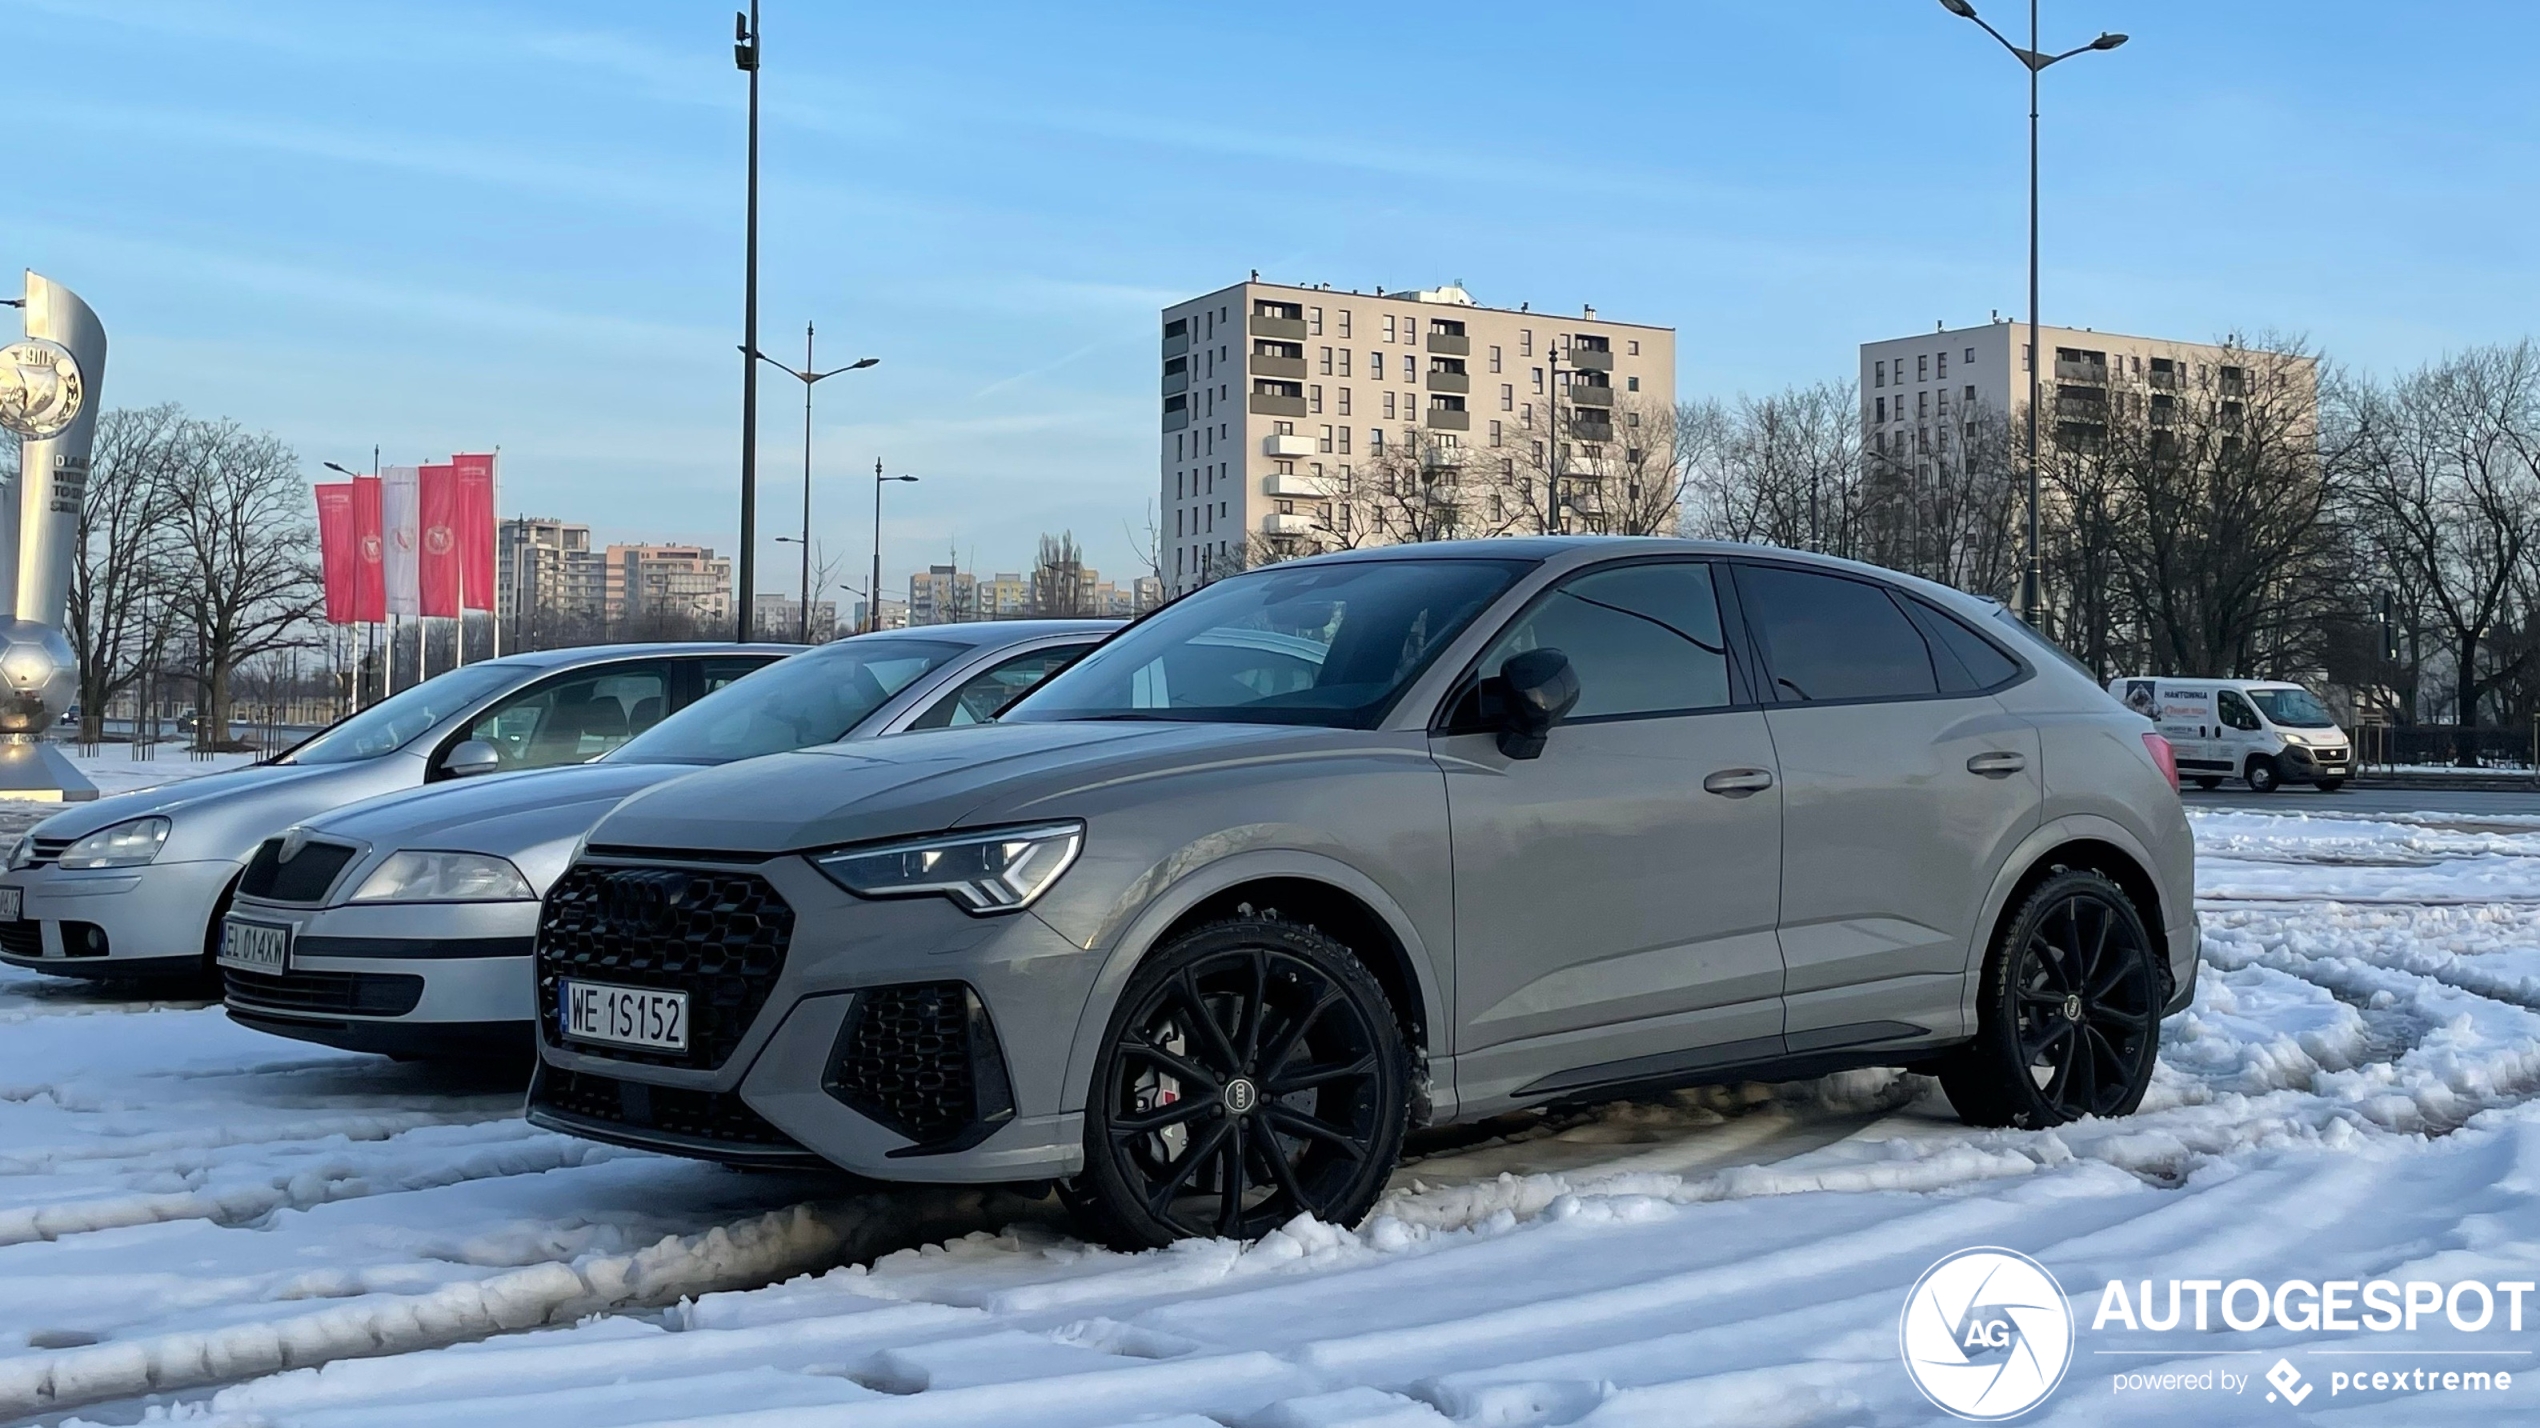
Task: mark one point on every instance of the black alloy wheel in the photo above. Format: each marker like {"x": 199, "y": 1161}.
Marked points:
{"x": 1253, "y": 1072}
{"x": 2069, "y": 1022}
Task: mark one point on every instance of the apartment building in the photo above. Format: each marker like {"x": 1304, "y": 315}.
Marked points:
{"x": 666, "y": 582}
{"x": 1276, "y": 396}
{"x": 1923, "y": 397}
{"x": 779, "y": 617}
{"x": 546, "y": 575}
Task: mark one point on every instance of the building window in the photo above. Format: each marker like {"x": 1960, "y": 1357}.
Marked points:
{"x": 1922, "y": 404}
{"x": 1971, "y": 356}
{"x": 1376, "y": 364}
{"x": 1632, "y": 348}
{"x": 1508, "y": 396}
{"x": 1344, "y": 409}
{"x": 1344, "y": 356}
{"x": 1389, "y": 403}
{"x": 1375, "y": 441}
{"x": 1389, "y": 327}
{"x": 1344, "y": 435}
{"x": 1494, "y": 433}
{"x": 1879, "y": 405}
{"x": 1538, "y": 381}
{"x": 1971, "y": 394}
{"x": 1878, "y": 374}
{"x": 1922, "y": 368}
{"x": 1525, "y": 342}
{"x": 1314, "y": 321}
{"x": 1494, "y": 357}
{"x": 1280, "y": 468}
{"x": 1526, "y": 415}
{"x": 1631, "y": 384}
{"x": 1344, "y": 332}
{"x": 1324, "y": 441}
{"x": 1943, "y": 371}
{"x": 1534, "y": 452}
{"x": 2027, "y": 357}
{"x": 1314, "y": 397}
{"x": 1325, "y": 358}
{"x": 1631, "y": 418}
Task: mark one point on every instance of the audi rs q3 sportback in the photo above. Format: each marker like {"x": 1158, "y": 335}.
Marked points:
{"x": 1338, "y": 847}
{"x": 135, "y": 885}
{"x": 402, "y": 924}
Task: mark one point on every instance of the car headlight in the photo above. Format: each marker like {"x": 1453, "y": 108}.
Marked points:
{"x": 128, "y": 844}
{"x": 445, "y": 877}
{"x": 995, "y": 871}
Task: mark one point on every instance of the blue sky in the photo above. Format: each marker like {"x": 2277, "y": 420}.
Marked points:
{"x": 449, "y": 225}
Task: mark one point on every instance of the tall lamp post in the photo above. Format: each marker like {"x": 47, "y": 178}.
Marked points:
{"x": 873, "y": 597}
{"x": 810, "y": 379}
{"x": 745, "y": 56}
{"x": 2032, "y": 596}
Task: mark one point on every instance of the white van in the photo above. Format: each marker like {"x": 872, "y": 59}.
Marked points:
{"x": 2262, "y": 730}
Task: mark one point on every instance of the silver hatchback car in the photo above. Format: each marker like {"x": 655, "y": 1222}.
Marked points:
{"x": 1340, "y": 847}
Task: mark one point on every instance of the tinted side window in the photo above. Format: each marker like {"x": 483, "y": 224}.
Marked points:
{"x": 983, "y": 694}
{"x": 1827, "y": 637}
{"x": 1968, "y": 661}
{"x": 713, "y": 674}
{"x": 574, "y": 719}
{"x": 1643, "y": 639}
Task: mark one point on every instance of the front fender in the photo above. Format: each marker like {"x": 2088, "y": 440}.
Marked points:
{"x": 2178, "y": 909}
{"x": 1139, "y": 934}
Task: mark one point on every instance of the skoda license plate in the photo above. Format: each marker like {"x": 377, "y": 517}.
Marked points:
{"x": 255, "y": 947}
{"x": 624, "y": 1016}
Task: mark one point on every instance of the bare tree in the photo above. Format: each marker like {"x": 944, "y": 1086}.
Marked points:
{"x": 246, "y": 565}
{"x": 120, "y": 581}
{"x": 1784, "y": 470}
{"x": 2447, "y": 496}
{"x": 1060, "y": 590}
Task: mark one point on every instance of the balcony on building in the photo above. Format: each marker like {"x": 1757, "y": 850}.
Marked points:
{"x": 2081, "y": 402}
{"x": 1447, "y": 414}
{"x": 1281, "y": 523}
{"x": 1447, "y": 339}
{"x": 1177, "y": 412}
{"x": 1589, "y": 424}
{"x": 1277, "y": 399}
{"x": 1585, "y": 392}
{"x": 1280, "y": 321}
{"x": 1289, "y": 483}
{"x": 1447, "y": 374}
{"x": 1443, "y": 456}
{"x": 1177, "y": 337}
{"x": 1591, "y": 353}
{"x": 1287, "y": 443}
{"x": 1277, "y": 359}
{"x": 1177, "y": 375}
{"x": 2072, "y": 364}
{"x": 2164, "y": 374}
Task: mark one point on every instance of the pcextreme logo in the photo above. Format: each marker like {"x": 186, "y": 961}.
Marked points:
{"x": 1986, "y": 1334}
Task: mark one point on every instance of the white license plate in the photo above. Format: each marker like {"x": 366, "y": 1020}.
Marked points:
{"x": 12, "y": 903}
{"x": 624, "y": 1016}
{"x": 255, "y": 946}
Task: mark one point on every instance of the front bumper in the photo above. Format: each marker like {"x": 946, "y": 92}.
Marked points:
{"x": 877, "y": 1040}
{"x": 2305, "y": 762}
{"x": 115, "y": 922}
{"x": 426, "y": 979}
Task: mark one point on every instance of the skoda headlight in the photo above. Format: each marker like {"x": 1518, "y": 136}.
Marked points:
{"x": 121, "y": 845}
{"x": 995, "y": 871}
{"x": 445, "y": 877}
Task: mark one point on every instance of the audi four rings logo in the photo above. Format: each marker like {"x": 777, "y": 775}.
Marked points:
{"x": 1986, "y": 1334}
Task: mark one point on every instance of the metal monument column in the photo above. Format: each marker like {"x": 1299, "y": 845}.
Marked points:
{"x": 49, "y": 384}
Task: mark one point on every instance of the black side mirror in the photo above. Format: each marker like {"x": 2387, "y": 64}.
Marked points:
{"x": 1535, "y": 690}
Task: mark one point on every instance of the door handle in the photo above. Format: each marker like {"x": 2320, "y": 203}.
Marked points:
{"x": 1996, "y": 765}
{"x": 1738, "y": 783}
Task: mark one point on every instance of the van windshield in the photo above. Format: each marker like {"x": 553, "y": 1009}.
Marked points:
{"x": 2291, "y": 708}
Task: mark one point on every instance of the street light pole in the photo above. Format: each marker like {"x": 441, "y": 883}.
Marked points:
{"x": 745, "y": 56}
{"x": 2032, "y": 578}
{"x": 873, "y": 597}
{"x": 810, "y": 378}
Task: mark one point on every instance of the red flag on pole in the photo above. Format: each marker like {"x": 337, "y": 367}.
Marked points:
{"x": 339, "y": 549}
{"x": 437, "y": 546}
{"x": 370, "y": 547}
{"x": 476, "y": 530}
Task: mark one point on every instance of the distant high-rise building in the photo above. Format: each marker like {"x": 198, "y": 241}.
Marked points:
{"x": 547, "y": 579}
{"x": 943, "y": 595}
{"x": 779, "y": 617}
{"x": 894, "y": 615}
{"x": 667, "y": 582}
{"x": 1275, "y": 396}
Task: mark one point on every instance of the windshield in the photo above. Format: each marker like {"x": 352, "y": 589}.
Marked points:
{"x": 2290, "y": 708}
{"x": 1311, "y": 644}
{"x": 394, "y": 722}
{"x": 814, "y": 698}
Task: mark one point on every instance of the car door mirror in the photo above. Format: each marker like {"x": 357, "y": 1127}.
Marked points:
{"x": 470, "y": 756}
{"x": 1535, "y": 690}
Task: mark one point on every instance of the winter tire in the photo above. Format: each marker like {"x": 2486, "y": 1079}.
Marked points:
{"x": 1253, "y": 1071}
{"x": 2068, "y": 1021}
{"x": 2208, "y": 783}
{"x": 2263, "y": 775}
{"x": 2331, "y": 785}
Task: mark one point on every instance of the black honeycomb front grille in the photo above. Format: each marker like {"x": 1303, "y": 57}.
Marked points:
{"x": 718, "y": 936}
{"x": 351, "y": 993}
{"x": 922, "y": 1059}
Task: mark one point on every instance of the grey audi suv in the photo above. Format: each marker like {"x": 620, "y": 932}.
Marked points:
{"x": 1344, "y": 846}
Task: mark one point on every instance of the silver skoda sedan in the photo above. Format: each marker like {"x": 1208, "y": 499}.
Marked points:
{"x": 402, "y": 924}
{"x": 1398, "y": 837}
{"x": 134, "y": 886}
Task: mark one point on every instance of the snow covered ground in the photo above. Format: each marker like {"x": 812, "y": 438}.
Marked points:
{"x": 203, "y": 1223}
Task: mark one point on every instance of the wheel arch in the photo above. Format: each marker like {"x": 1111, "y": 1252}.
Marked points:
{"x": 1304, "y": 887}
{"x": 2078, "y": 842}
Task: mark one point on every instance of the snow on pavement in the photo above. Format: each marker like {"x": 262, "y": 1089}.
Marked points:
{"x": 202, "y": 1223}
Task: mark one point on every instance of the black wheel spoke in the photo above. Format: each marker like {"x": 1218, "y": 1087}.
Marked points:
{"x": 1295, "y": 1034}
{"x": 2036, "y": 1048}
{"x": 1255, "y": 1008}
{"x": 2081, "y": 1081}
{"x": 1233, "y": 1179}
{"x": 1288, "y": 1118}
{"x": 1201, "y": 1078}
{"x": 1160, "y": 1199}
{"x": 1282, "y": 1174}
{"x": 1189, "y": 1108}
{"x": 1211, "y": 1034}
{"x": 2049, "y": 960}
{"x": 1307, "y": 1078}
